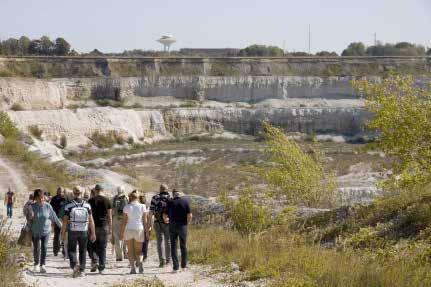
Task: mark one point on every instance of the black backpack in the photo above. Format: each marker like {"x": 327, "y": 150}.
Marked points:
{"x": 161, "y": 206}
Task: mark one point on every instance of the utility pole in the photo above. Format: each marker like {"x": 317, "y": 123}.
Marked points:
{"x": 375, "y": 39}
{"x": 309, "y": 38}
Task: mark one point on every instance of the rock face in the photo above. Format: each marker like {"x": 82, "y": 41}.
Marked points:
{"x": 77, "y": 126}
{"x": 35, "y": 94}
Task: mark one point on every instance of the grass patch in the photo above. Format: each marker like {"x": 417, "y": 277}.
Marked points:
{"x": 285, "y": 259}
{"x": 9, "y": 253}
{"x": 108, "y": 139}
{"x": 42, "y": 173}
{"x": 35, "y": 131}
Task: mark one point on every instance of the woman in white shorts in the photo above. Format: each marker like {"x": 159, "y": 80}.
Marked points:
{"x": 133, "y": 232}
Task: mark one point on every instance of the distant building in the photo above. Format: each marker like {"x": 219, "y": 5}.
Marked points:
{"x": 210, "y": 52}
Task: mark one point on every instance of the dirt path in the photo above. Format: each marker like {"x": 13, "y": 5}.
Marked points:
{"x": 58, "y": 271}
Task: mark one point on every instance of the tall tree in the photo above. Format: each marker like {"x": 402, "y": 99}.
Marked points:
{"x": 48, "y": 47}
{"x": 355, "y": 49}
{"x": 24, "y": 44}
{"x": 62, "y": 47}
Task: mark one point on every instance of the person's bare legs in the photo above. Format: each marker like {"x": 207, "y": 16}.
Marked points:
{"x": 132, "y": 254}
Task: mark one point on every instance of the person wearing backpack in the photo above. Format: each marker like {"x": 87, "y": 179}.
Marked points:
{"x": 78, "y": 219}
{"x": 159, "y": 202}
{"x": 118, "y": 203}
{"x": 41, "y": 215}
{"x": 101, "y": 209}
{"x": 9, "y": 200}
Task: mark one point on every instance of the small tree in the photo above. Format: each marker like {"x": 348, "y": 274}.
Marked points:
{"x": 7, "y": 127}
{"x": 402, "y": 116}
{"x": 296, "y": 176}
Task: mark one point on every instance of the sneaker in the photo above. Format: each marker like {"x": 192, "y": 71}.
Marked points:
{"x": 119, "y": 259}
{"x": 162, "y": 264}
{"x": 76, "y": 271}
{"x": 141, "y": 268}
{"x": 133, "y": 270}
{"x": 167, "y": 261}
{"x": 93, "y": 268}
{"x": 42, "y": 269}
{"x": 101, "y": 272}
{"x": 36, "y": 269}
{"x": 175, "y": 271}
{"x": 81, "y": 274}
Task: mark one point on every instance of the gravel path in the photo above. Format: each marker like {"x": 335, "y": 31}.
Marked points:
{"x": 58, "y": 271}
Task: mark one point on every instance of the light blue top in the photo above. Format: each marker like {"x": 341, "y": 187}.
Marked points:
{"x": 41, "y": 222}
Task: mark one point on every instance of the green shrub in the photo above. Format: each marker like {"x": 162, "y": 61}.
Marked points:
{"x": 246, "y": 214}
{"x": 108, "y": 139}
{"x": 35, "y": 131}
{"x": 7, "y": 127}
{"x": 17, "y": 107}
{"x": 63, "y": 141}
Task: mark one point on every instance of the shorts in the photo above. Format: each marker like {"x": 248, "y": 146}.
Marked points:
{"x": 138, "y": 235}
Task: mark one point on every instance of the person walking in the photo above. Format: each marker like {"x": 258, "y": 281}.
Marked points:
{"x": 57, "y": 202}
{"x": 143, "y": 200}
{"x": 178, "y": 215}
{"x": 158, "y": 203}
{"x": 9, "y": 200}
{"x": 77, "y": 221}
{"x": 119, "y": 201}
{"x": 41, "y": 215}
{"x": 133, "y": 231}
{"x": 102, "y": 214}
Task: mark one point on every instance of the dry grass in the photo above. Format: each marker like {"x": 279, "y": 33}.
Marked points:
{"x": 284, "y": 259}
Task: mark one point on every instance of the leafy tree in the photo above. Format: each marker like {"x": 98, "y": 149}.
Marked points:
{"x": 62, "y": 47}
{"x": 429, "y": 52}
{"x": 399, "y": 49}
{"x": 326, "y": 54}
{"x": 354, "y": 49}
{"x": 24, "y": 44}
{"x": 402, "y": 116}
{"x": 261, "y": 51}
{"x": 296, "y": 176}
{"x": 48, "y": 47}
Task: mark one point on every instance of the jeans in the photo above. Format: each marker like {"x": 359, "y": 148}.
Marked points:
{"x": 145, "y": 248}
{"x": 178, "y": 231}
{"x": 162, "y": 233}
{"x": 79, "y": 238}
{"x": 9, "y": 208}
{"x": 40, "y": 246}
{"x": 98, "y": 248}
{"x": 56, "y": 243}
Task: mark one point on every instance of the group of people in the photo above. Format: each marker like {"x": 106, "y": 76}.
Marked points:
{"x": 86, "y": 220}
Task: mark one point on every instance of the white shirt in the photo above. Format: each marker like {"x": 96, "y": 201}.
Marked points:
{"x": 135, "y": 212}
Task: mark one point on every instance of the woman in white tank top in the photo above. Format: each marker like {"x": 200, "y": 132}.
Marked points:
{"x": 134, "y": 229}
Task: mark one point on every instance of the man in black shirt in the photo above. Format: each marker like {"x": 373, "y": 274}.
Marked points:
{"x": 57, "y": 202}
{"x": 101, "y": 209}
{"x": 178, "y": 215}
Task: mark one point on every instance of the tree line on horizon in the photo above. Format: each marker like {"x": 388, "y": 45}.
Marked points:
{"x": 60, "y": 47}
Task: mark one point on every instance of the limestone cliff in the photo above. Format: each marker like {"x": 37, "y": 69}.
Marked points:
{"x": 150, "y": 125}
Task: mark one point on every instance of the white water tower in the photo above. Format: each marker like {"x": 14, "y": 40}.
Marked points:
{"x": 167, "y": 41}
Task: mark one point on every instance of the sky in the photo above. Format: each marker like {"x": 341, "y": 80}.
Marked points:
{"x": 117, "y": 25}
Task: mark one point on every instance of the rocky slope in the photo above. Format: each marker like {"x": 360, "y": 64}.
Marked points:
{"x": 152, "y": 125}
